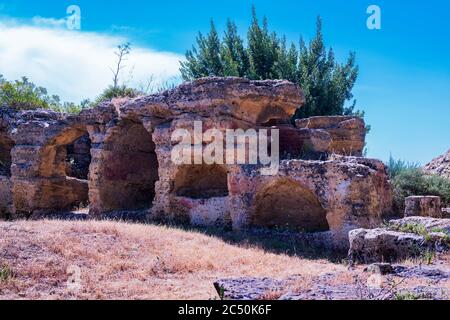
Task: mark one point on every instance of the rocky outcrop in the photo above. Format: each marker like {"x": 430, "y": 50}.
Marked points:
{"x": 254, "y": 102}
{"x": 347, "y": 134}
{"x": 446, "y": 213}
{"x": 336, "y": 195}
{"x": 377, "y": 245}
{"x": 304, "y": 143}
{"x": 247, "y": 288}
{"x": 422, "y": 223}
{"x": 404, "y": 238}
{"x": 116, "y": 157}
{"x": 336, "y": 286}
{"x": 40, "y": 181}
{"x": 439, "y": 166}
{"x": 423, "y": 206}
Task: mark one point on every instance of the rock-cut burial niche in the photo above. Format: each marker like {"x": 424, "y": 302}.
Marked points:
{"x": 78, "y": 158}
{"x": 287, "y": 204}
{"x": 65, "y": 161}
{"x": 6, "y": 145}
{"x": 129, "y": 169}
{"x": 201, "y": 181}
{"x": 68, "y": 155}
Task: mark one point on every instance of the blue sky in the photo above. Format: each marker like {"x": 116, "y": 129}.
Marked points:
{"x": 404, "y": 83}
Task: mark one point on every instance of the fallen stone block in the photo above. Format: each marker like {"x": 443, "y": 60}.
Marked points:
{"x": 247, "y": 288}
{"x": 423, "y": 206}
{"x": 430, "y": 272}
{"x": 380, "y": 268}
{"x": 347, "y": 133}
{"x": 430, "y": 225}
{"x": 446, "y": 213}
{"x": 382, "y": 245}
{"x": 402, "y": 239}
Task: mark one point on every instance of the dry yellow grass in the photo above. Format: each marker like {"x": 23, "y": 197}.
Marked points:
{"x": 129, "y": 261}
{"x": 38, "y": 260}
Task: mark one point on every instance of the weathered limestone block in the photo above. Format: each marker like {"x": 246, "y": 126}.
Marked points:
{"x": 209, "y": 212}
{"x": 347, "y": 133}
{"x": 402, "y": 239}
{"x": 256, "y": 102}
{"x": 243, "y": 289}
{"x": 197, "y": 194}
{"x": 6, "y": 146}
{"x": 324, "y": 288}
{"x": 312, "y": 195}
{"x": 429, "y": 224}
{"x": 25, "y": 161}
{"x": 381, "y": 245}
{"x": 303, "y": 143}
{"x": 100, "y": 115}
{"x": 423, "y": 206}
{"x": 50, "y": 160}
{"x": 439, "y": 166}
{"x": 50, "y": 195}
{"x": 446, "y": 213}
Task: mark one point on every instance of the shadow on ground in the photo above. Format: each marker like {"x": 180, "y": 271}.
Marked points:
{"x": 302, "y": 245}
{"x": 314, "y": 246}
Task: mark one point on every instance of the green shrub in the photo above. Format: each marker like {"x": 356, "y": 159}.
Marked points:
{"x": 265, "y": 54}
{"x": 436, "y": 185}
{"x": 25, "y": 95}
{"x": 413, "y": 228}
{"x": 117, "y": 92}
{"x": 5, "y": 273}
{"x": 395, "y": 167}
{"x": 406, "y": 296}
{"x": 413, "y": 182}
{"x": 71, "y": 108}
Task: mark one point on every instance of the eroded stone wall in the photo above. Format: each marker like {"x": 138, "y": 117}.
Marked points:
{"x": 126, "y": 169}
{"x": 6, "y": 147}
{"x": 348, "y": 192}
{"x": 128, "y": 143}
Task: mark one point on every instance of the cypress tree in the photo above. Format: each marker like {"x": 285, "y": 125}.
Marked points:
{"x": 327, "y": 85}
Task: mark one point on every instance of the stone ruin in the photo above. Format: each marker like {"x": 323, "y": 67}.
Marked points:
{"x": 423, "y": 206}
{"x": 117, "y": 158}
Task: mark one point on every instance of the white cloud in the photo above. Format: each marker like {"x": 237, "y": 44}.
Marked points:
{"x": 74, "y": 65}
{"x": 49, "y": 22}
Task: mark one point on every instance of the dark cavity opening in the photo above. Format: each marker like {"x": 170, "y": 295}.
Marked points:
{"x": 201, "y": 181}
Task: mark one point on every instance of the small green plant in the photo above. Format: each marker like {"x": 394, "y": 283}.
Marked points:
{"x": 222, "y": 293}
{"x": 406, "y": 296}
{"x": 5, "y": 273}
{"x": 395, "y": 167}
{"x": 413, "y": 228}
{"x": 446, "y": 237}
{"x": 438, "y": 230}
{"x": 121, "y": 91}
{"x": 428, "y": 257}
{"x": 420, "y": 230}
{"x": 408, "y": 179}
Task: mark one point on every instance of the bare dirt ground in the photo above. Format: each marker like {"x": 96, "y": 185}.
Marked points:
{"x": 115, "y": 260}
